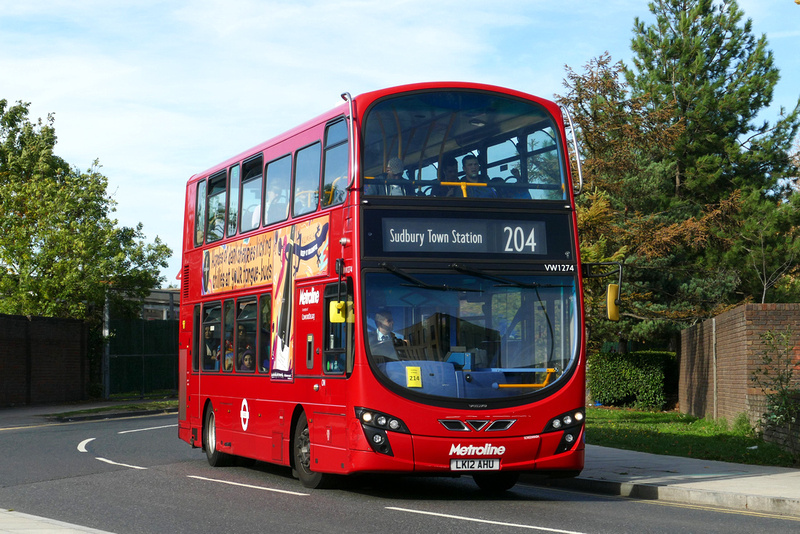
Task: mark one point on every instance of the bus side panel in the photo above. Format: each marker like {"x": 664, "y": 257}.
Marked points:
{"x": 252, "y": 445}
{"x": 329, "y": 442}
{"x": 186, "y": 401}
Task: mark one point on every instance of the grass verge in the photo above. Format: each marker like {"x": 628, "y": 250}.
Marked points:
{"x": 677, "y": 434}
{"x": 116, "y": 408}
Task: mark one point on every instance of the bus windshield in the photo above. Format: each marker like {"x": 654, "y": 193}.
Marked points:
{"x": 462, "y": 144}
{"x": 464, "y": 335}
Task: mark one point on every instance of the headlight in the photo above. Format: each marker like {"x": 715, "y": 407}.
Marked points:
{"x": 380, "y": 420}
{"x": 565, "y": 421}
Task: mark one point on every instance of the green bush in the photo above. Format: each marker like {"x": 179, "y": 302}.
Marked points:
{"x": 643, "y": 379}
{"x": 742, "y": 426}
{"x": 775, "y": 377}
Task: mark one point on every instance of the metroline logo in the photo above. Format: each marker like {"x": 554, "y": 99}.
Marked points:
{"x": 310, "y": 296}
{"x": 472, "y": 450}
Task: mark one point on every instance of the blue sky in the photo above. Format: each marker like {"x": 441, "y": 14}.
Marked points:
{"x": 158, "y": 90}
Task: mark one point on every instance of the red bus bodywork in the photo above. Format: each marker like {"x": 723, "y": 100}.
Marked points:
{"x": 256, "y": 413}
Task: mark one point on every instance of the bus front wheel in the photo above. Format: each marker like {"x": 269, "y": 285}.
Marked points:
{"x": 215, "y": 457}
{"x": 302, "y": 457}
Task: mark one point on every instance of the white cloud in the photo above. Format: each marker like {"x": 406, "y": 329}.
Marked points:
{"x": 159, "y": 90}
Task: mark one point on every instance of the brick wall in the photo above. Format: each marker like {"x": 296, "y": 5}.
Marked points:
{"x": 717, "y": 383}
{"x": 42, "y": 360}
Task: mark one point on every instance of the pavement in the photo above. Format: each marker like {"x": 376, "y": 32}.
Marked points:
{"x": 752, "y": 488}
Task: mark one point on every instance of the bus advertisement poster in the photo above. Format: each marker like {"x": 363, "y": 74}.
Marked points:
{"x": 248, "y": 262}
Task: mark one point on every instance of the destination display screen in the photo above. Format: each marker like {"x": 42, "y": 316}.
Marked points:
{"x": 464, "y": 235}
{"x": 423, "y": 234}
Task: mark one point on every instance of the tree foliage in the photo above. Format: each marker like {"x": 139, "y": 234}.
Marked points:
{"x": 699, "y": 191}
{"x": 61, "y": 253}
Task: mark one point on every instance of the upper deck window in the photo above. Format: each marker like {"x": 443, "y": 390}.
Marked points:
{"x": 233, "y": 201}
{"x": 306, "y": 180}
{"x": 276, "y": 192}
{"x": 335, "y": 176}
{"x": 217, "y": 196}
{"x": 251, "y": 194}
{"x": 200, "y": 214}
{"x": 462, "y": 143}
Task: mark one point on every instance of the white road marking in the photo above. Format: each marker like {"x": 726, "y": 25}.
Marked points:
{"x": 117, "y": 463}
{"x": 485, "y": 521}
{"x": 249, "y": 486}
{"x": 145, "y": 429}
{"x": 82, "y": 444}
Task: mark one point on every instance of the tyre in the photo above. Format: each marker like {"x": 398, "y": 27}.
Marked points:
{"x": 301, "y": 450}
{"x": 215, "y": 457}
{"x": 496, "y": 482}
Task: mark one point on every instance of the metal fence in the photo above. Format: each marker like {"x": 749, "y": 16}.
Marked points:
{"x": 143, "y": 357}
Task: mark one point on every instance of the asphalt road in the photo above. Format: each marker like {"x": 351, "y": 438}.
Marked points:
{"x": 136, "y": 476}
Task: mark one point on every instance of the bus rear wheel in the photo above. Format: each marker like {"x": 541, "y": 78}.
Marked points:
{"x": 496, "y": 482}
{"x": 302, "y": 457}
{"x": 215, "y": 457}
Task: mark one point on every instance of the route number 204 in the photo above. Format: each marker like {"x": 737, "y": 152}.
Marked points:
{"x": 518, "y": 241}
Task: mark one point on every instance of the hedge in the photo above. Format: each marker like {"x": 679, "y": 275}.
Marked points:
{"x": 643, "y": 379}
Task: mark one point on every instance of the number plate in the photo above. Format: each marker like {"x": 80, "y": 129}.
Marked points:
{"x": 475, "y": 464}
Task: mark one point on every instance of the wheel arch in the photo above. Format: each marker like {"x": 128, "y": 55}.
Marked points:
{"x": 298, "y": 410}
{"x": 207, "y": 405}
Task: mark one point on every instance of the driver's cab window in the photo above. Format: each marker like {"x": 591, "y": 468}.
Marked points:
{"x": 337, "y": 358}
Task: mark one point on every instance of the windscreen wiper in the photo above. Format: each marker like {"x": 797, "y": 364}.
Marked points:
{"x": 505, "y": 282}
{"x": 416, "y": 282}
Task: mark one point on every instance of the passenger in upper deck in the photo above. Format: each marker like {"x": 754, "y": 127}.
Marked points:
{"x": 394, "y": 172}
{"x": 276, "y": 208}
{"x": 388, "y": 183}
{"x": 512, "y": 187}
{"x": 448, "y": 173}
{"x": 472, "y": 175}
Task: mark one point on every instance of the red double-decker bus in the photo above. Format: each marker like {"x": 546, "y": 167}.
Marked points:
{"x": 392, "y": 287}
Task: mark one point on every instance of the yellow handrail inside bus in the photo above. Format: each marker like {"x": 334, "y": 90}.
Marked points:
{"x": 330, "y": 192}
{"x": 550, "y": 372}
{"x": 464, "y": 185}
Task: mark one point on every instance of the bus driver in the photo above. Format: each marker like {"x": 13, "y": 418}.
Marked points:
{"x": 383, "y": 341}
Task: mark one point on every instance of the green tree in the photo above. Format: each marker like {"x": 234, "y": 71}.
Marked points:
{"x": 620, "y": 137}
{"x": 701, "y": 192}
{"x": 61, "y": 253}
{"x": 700, "y": 59}
{"x": 768, "y": 247}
